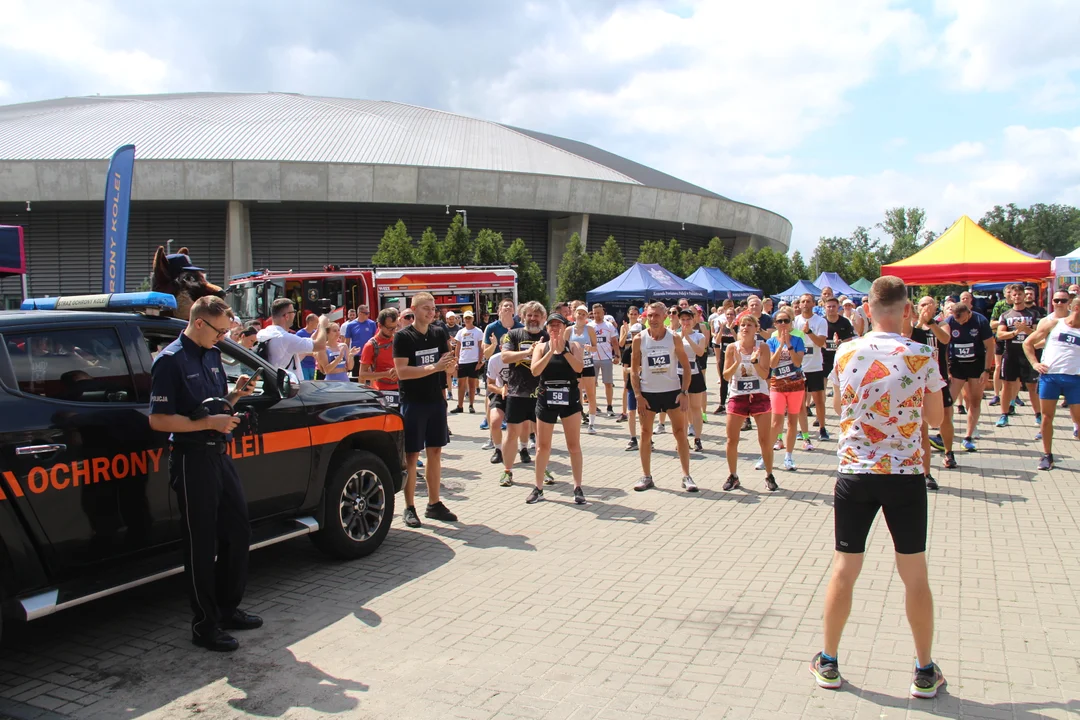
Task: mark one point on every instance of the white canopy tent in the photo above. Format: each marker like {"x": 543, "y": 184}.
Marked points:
{"x": 1067, "y": 270}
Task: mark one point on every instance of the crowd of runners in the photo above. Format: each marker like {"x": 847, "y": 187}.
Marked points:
{"x": 898, "y": 374}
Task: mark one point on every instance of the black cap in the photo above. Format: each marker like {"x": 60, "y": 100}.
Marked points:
{"x": 556, "y": 317}
{"x": 179, "y": 262}
{"x": 686, "y": 311}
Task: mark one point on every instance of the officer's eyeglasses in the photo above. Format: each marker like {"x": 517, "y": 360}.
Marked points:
{"x": 220, "y": 333}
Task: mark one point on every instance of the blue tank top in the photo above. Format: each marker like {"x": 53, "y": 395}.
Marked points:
{"x": 583, "y": 340}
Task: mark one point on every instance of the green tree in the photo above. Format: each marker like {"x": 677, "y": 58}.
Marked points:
{"x": 765, "y": 268}
{"x": 575, "y": 274}
{"x": 865, "y": 259}
{"x": 712, "y": 255}
{"x": 830, "y": 255}
{"x": 1054, "y": 228}
{"x": 1004, "y": 224}
{"x": 429, "y": 252}
{"x": 607, "y": 263}
{"x": 651, "y": 252}
{"x": 669, "y": 255}
{"x": 457, "y": 246}
{"x": 798, "y": 266}
{"x": 907, "y": 229}
{"x": 531, "y": 284}
{"x": 489, "y": 248}
{"x": 396, "y": 248}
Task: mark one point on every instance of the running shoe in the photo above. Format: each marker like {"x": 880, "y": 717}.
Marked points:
{"x": 731, "y": 483}
{"x": 969, "y": 444}
{"x": 632, "y": 445}
{"x": 808, "y": 446}
{"x": 937, "y": 443}
{"x": 419, "y": 463}
{"x": 1047, "y": 462}
{"x": 411, "y": 518}
{"x": 689, "y": 431}
{"x": 622, "y": 418}
{"x": 457, "y": 411}
{"x": 496, "y": 457}
{"x": 484, "y": 424}
{"x": 760, "y": 464}
{"x": 535, "y": 496}
{"x": 705, "y": 418}
{"x": 823, "y": 434}
{"x": 579, "y": 496}
{"x": 1076, "y": 433}
{"x": 688, "y": 484}
{"x": 488, "y": 445}
{"x": 506, "y": 479}
{"x": 789, "y": 463}
{"x": 524, "y": 455}
{"x": 1002, "y": 421}
{"x": 779, "y": 444}
{"x": 817, "y": 424}
{"x": 697, "y": 445}
{"x": 610, "y": 412}
{"x": 1038, "y": 418}
{"x": 549, "y": 478}
{"x": 659, "y": 429}
{"x": 949, "y": 461}
{"x": 438, "y": 511}
{"x": 644, "y": 483}
{"x": 504, "y": 425}
{"x": 472, "y": 410}
{"x": 826, "y": 674}
{"x": 931, "y": 483}
{"x": 1038, "y": 435}
{"x": 1019, "y": 402}
{"x": 747, "y": 426}
{"x": 961, "y": 409}
{"x": 532, "y": 442}
{"x": 927, "y": 681}
{"x": 994, "y": 401}
{"x": 1012, "y": 408}
{"x": 590, "y": 429}
{"x": 720, "y": 410}
{"x": 770, "y": 482}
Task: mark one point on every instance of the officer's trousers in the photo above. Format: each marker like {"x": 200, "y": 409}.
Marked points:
{"x": 214, "y": 521}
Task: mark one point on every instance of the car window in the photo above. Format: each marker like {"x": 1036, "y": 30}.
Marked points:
{"x": 73, "y": 364}
{"x": 235, "y": 363}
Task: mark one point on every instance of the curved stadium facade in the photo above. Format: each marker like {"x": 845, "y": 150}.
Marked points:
{"x": 286, "y": 181}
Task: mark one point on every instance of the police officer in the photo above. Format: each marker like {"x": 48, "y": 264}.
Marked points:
{"x": 213, "y": 509}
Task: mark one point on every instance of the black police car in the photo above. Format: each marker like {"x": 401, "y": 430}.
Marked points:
{"x": 85, "y": 504}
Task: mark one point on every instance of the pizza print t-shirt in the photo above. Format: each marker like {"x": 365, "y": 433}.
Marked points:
{"x": 883, "y": 379}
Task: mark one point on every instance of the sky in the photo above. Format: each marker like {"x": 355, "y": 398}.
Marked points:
{"x": 825, "y": 112}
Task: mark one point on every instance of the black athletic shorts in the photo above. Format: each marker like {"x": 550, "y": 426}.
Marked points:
{"x": 901, "y": 499}
{"x": 551, "y": 414}
{"x": 425, "y": 425}
{"x": 661, "y": 401}
{"x": 1016, "y": 367}
{"x": 967, "y": 370}
{"x": 496, "y": 402}
{"x": 946, "y": 394}
{"x": 697, "y": 383}
{"x": 589, "y": 371}
{"x": 999, "y": 348}
{"x": 520, "y": 409}
{"x": 815, "y": 381}
{"x": 467, "y": 370}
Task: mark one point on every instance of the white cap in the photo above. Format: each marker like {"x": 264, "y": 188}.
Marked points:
{"x": 467, "y": 313}
{"x": 451, "y": 313}
{"x": 610, "y": 319}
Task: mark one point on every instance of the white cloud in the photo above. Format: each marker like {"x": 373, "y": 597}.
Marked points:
{"x": 957, "y": 153}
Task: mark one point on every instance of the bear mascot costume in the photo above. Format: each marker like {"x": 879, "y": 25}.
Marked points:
{"x": 176, "y": 275}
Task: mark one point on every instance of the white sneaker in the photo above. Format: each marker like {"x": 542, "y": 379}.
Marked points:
{"x": 590, "y": 429}
{"x": 532, "y": 446}
{"x": 659, "y": 429}
{"x": 760, "y": 464}
{"x": 488, "y": 446}
{"x": 789, "y": 464}
{"x": 690, "y": 431}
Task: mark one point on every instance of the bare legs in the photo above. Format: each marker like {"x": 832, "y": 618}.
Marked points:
{"x": 433, "y": 469}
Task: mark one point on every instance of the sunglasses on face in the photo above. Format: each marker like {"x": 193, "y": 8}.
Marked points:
{"x": 1060, "y": 301}
{"x": 781, "y": 321}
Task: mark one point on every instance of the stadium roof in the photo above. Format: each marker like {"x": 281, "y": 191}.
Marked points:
{"x": 297, "y": 128}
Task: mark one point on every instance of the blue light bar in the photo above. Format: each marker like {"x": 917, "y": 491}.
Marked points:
{"x": 116, "y": 302}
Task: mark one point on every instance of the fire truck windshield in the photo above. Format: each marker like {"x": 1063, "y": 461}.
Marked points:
{"x": 251, "y": 300}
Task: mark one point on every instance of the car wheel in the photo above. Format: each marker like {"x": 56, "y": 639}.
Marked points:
{"x": 359, "y": 507}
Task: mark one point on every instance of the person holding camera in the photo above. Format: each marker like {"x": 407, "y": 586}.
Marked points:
{"x": 185, "y": 375}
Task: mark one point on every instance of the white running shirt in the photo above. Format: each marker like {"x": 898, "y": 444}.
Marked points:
{"x": 812, "y": 360}
{"x": 605, "y": 332}
{"x": 470, "y": 345}
{"x": 659, "y": 364}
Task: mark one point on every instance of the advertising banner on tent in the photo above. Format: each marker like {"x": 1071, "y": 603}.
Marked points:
{"x": 117, "y": 208}
{"x": 12, "y": 253}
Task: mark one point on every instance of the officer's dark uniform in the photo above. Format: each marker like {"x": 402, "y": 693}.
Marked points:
{"x": 211, "y": 499}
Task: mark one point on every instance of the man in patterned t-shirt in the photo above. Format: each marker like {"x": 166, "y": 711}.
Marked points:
{"x": 890, "y": 386}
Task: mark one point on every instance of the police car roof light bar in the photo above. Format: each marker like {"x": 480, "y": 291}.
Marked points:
{"x": 110, "y": 302}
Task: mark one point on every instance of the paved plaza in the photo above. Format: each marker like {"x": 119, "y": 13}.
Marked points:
{"x": 637, "y": 605}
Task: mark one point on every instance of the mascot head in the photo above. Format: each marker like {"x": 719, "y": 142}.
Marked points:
{"x": 176, "y": 275}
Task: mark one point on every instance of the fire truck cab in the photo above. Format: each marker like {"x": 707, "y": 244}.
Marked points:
{"x": 336, "y": 290}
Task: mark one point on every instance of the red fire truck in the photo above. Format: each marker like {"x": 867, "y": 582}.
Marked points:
{"x": 336, "y": 289}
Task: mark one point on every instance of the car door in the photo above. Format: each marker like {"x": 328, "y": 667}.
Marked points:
{"x": 271, "y": 449}
{"x": 77, "y": 451}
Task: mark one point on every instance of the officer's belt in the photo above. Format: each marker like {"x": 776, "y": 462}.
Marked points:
{"x": 220, "y": 445}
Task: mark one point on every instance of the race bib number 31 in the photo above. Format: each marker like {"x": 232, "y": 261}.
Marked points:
{"x": 1069, "y": 338}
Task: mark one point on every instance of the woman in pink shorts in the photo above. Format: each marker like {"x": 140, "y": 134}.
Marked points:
{"x": 787, "y": 385}
{"x": 746, "y": 370}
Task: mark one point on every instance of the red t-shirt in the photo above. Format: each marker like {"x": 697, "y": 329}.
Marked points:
{"x": 383, "y": 360}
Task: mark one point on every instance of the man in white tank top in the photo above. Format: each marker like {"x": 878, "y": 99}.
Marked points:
{"x": 654, "y": 361}
{"x": 1059, "y": 369}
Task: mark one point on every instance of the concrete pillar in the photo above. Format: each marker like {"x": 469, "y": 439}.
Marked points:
{"x": 559, "y": 232}
{"x": 742, "y": 243}
{"x": 237, "y": 240}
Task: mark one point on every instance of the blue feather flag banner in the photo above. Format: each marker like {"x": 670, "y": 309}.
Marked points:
{"x": 117, "y": 210}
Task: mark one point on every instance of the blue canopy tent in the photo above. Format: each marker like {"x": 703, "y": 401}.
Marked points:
{"x": 720, "y": 285}
{"x": 839, "y": 287}
{"x": 797, "y": 290}
{"x": 642, "y": 282}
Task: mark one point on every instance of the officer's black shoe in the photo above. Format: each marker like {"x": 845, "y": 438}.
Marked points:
{"x": 216, "y": 640}
{"x": 438, "y": 511}
{"x": 411, "y": 519}
{"x": 241, "y": 620}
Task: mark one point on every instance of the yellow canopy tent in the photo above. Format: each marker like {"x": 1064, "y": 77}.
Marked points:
{"x": 966, "y": 254}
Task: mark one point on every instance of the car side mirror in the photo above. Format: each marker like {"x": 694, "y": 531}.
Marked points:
{"x": 285, "y": 383}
